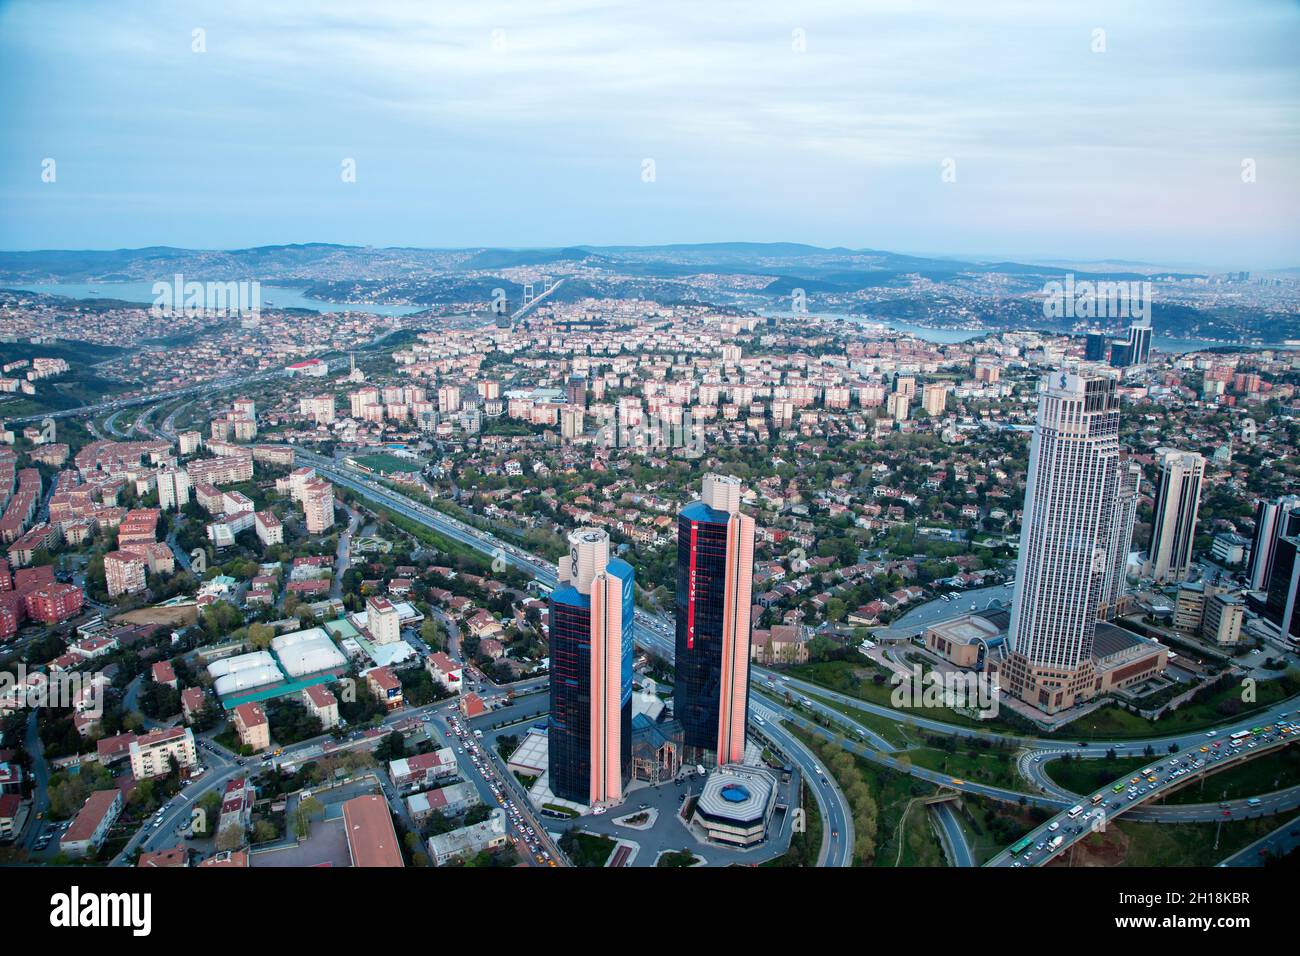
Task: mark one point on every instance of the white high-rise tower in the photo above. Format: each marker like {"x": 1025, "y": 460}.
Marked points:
{"x": 1066, "y": 540}
{"x": 1178, "y": 498}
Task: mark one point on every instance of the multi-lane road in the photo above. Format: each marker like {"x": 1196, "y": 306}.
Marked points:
{"x": 654, "y": 632}
{"x": 1163, "y": 775}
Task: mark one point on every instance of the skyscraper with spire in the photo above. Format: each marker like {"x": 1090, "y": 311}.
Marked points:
{"x": 715, "y": 582}
{"x": 592, "y": 612}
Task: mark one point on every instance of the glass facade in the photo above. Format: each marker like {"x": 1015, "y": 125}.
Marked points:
{"x": 569, "y": 738}
{"x": 701, "y": 597}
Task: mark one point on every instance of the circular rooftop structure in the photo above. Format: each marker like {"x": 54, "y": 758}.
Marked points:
{"x": 737, "y": 797}
{"x": 734, "y": 793}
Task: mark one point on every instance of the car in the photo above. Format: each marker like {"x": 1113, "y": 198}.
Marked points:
{"x": 1054, "y": 825}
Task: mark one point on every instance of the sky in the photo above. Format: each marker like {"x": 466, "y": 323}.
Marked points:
{"x": 1153, "y": 131}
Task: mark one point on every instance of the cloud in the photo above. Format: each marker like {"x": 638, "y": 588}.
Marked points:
{"x": 562, "y": 94}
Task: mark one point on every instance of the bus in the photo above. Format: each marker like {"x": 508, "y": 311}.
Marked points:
{"x": 1236, "y": 739}
{"x": 1118, "y": 787}
{"x": 1097, "y": 798}
{"x": 1020, "y": 846}
{"x": 1074, "y": 812}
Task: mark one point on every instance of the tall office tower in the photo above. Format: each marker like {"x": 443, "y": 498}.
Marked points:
{"x": 1178, "y": 498}
{"x": 1065, "y": 538}
{"x": 592, "y": 611}
{"x": 715, "y": 582}
{"x": 1139, "y": 342}
{"x": 1120, "y": 354}
{"x": 1273, "y": 519}
{"x": 1282, "y": 606}
{"x": 1127, "y": 485}
{"x": 1096, "y": 347}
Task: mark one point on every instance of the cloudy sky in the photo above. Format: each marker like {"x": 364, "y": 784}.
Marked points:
{"x": 1000, "y": 128}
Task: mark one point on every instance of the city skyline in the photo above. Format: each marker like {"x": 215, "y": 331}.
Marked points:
{"x": 595, "y": 435}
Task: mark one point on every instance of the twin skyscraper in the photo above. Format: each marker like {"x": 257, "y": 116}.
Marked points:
{"x": 592, "y": 621}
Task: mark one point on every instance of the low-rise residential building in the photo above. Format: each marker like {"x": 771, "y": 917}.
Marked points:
{"x": 449, "y": 801}
{"x": 192, "y": 703}
{"x": 422, "y": 771}
{"x": 321, "y": 704}
{"x": 252, "y": 726}
{"x": 445, "y": 671}
{"x": 467, "y": 841}
{"x": 85, "y": 835}
{"x": 163, "y": 673}
{"x": 153, "y": 754}
{"x": 173, "y": 857}
{"x": 383, "y": 683}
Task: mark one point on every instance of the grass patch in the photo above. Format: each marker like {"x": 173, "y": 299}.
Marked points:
{"x": 1277, "y": 771}
{"x": 1080, "y": 775}
{"x": 1223, "y": 704}
{"x": 677, "y": 858}
{"x": 993, "y": 767}
{"x": 586, "y": 849}
{"x": 878, "y": 797}
{"x": 389, "y": 464}
{"x": 862, "y": 679}
{"x": 1126, "y": 843}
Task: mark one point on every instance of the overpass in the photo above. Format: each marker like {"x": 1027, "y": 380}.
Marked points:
{"x": 653, "y": 632}
{"x": 1163, "y": 776}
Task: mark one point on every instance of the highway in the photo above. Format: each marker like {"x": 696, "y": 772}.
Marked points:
{"x": 1033, "y": 767}
{"x": 152, "y": 399}
{"x": 837, "y": 824}
{"x": 654, "y": 632}
{"x": 1278, "y": 843}
{"x": 1162, "y": 776}
{"x": 1125, "y": 747}
{"x": 222, "y": 768}
{"x": 954, "y": 837}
